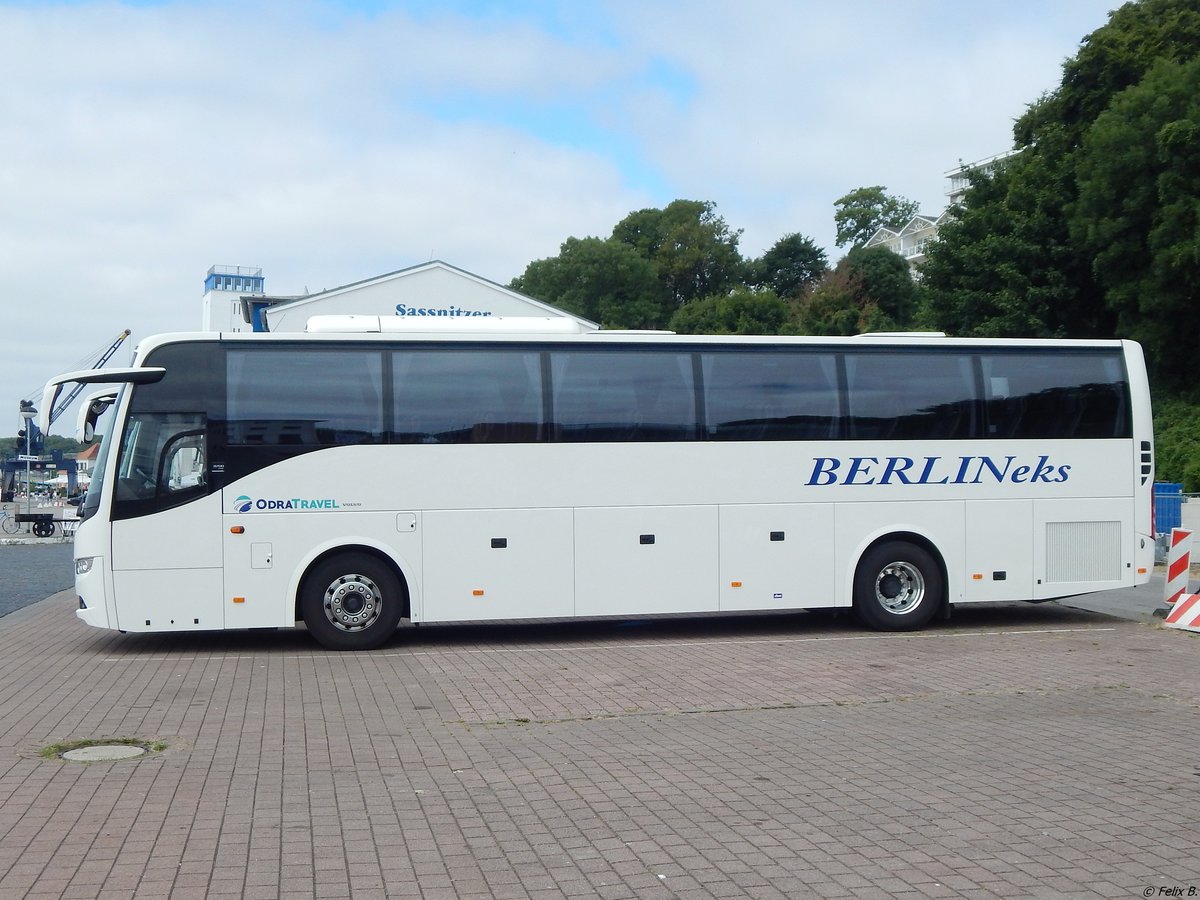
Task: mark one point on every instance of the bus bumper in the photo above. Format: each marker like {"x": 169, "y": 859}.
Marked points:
{"x": 89, "y": 586}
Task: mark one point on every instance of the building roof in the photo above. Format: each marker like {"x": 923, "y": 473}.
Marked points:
{"x": 281, "y": 305}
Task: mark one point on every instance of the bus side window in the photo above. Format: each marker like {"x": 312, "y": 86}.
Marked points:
{"x": 466, "y": 396}
{"x": 910, "y": 396}
{"x": 623, "y": 395}
{"x": 769, "y": 396}
{"x": 183, "y": 467}
{"x": 162, "y": 459}
{"x": 1067, "y": 395}
{"x": 303, "y": 399}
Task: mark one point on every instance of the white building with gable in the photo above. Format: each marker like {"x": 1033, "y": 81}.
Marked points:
{"x": 235, "y": 299}
{"x": 911, "y": 239}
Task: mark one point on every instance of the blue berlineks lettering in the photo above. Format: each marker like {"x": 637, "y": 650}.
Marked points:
{"x": 860, "y": 470}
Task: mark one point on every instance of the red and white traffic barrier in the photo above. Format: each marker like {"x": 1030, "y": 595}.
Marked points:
{"x": 1178, "y": 565}
{"x": 1185, "y": 614}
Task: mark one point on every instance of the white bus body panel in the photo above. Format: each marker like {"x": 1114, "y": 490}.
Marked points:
{"x": 587, "y": 559}
{"x": 998, "y": 552}
{"x": 167, "y": 569}
{"x": 792, "y": 569}
{"x": 645, "y": 559}
{"x": 498, "y": 564}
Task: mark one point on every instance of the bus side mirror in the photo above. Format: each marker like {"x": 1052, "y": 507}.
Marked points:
{"x": 93, "y": 408}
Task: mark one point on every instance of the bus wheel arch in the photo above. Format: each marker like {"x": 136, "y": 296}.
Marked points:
{"x": 352, "y": 598}
{"x": 899, "y": 583}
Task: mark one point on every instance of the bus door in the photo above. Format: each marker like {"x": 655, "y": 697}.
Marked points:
{"x": 166, "y": 542}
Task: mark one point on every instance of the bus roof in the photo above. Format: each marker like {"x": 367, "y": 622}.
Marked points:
{"x": 600, "y": 338}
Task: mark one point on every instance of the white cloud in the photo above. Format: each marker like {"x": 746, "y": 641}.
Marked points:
{"x": 140, "y": 145}
{"x": 798, "y": 103}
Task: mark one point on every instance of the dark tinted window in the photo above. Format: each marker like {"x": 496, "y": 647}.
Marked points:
{"x": 770, "y": 396}
{"x": 163, "y": 455}
{"x": 192, "y": 379}
{"x": 467, "y": 396}
{"x": 1067, "y": 394}
{"x": 896, "y": 396}
{"x": 304, "y": 398}
{"x": 623, "y": 395}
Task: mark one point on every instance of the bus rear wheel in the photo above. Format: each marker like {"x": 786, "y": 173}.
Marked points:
{"x": 352, "y": 601}
{"x": 898, "y": 586}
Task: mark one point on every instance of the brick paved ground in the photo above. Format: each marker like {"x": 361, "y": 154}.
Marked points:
{"x": 1016, "y": 752}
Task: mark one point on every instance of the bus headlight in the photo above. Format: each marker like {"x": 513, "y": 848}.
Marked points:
{"x": 83, "y": 565}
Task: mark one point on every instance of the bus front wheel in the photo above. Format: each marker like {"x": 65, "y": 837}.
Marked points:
{"x": 898, "y": 586}
{"x": 352, "y": 601}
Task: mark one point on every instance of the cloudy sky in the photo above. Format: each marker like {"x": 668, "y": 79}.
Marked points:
{"x": 327, "y": 142}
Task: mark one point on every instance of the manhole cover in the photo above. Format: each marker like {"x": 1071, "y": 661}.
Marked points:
{"x": 104, "y": 752}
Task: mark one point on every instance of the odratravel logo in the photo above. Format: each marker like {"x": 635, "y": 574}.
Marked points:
{"x": 244, "y": 504}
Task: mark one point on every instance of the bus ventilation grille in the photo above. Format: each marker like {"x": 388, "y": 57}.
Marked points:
{"x": 1083, "y": 551}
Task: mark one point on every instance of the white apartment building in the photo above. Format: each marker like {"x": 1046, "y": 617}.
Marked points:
{"x": 911, "y": 239}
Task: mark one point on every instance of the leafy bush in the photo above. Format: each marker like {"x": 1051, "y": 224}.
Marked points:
{"x": 1177, "y": 442}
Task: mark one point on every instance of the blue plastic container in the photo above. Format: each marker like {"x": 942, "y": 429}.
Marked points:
{"x": 1168, "y": 506}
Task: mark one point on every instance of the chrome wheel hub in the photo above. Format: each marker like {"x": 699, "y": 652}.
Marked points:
{"x": 353, "y": 602}
{"x": 899, "y": 587}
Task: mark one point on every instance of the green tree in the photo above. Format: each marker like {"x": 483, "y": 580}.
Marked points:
{"x": 1004, "y": 265}
{"x": 1110, "y": 59}
{"x": 741, "y": 311}
{"x": 694, "y": 250}
{"x": 1138, "y": 213}
{"x": 52, "y": 442}
{"x": 603, "y": 280}
{"x": 1018, "y": 262}
{"x": 885, "y": 280}
{"x": 832, "y": 308}
{"x": 863, "y": 211}
{"x": 870, "y": 289}
{"x": 792, "y": 265}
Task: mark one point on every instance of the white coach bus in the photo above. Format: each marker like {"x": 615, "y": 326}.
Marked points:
{"x": 366, "y": 472}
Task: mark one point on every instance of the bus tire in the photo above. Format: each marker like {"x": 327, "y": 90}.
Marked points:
{"x": 352, "y": 601}
{"x": 898, "y": 586}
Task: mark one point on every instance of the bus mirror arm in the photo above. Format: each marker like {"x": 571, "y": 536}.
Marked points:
{"x": 132, "y": 375}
